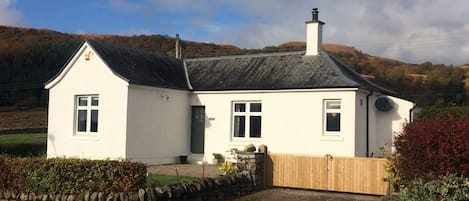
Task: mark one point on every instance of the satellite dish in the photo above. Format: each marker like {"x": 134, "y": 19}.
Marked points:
{"x": 384, "y": 104}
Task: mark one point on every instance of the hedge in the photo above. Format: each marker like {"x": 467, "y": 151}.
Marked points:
{"x": 433, "y": 147}
{"x": 41, "y": 175}
{"x": 448, "y": 188}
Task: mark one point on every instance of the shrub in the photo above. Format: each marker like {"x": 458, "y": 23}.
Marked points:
{"x": 217, "y": 156}
{"x": 70, "y": 175}
{"x": 228, "y": 168}
{"x": 448, "y": 188}
{"x": 433, "y": 147}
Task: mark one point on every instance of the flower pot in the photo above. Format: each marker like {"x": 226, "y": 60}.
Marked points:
{"x": 183, "y": 159}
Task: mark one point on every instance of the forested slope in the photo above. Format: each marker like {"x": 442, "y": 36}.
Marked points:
{"x": 30, "y": 57}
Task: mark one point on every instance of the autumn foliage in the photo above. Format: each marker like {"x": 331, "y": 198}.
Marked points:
{"x": 433, "y": 147}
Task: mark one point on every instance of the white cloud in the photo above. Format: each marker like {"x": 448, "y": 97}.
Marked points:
{"x": 412, "y": 31}
{"x": 8, "y": 15}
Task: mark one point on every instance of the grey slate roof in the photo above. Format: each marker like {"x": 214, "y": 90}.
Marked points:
{"x": 142, "y": 67}
{"x": 289, "y": 70}
{"x": 272, "y": 71}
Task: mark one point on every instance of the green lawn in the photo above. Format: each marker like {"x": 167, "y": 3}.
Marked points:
{"x": 35, "y": 138}
{"x": 159, "y": 180}
{"x": 23, "y": 144}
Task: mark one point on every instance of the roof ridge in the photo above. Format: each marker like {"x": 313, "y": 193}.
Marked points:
{"x": 247, "y": 56}
{"x": 337, "y": 69}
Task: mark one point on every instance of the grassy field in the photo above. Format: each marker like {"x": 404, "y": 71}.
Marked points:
{"x": 21, "y": 119}
{"x": 158, "y": 179}
{"x": 23, "y": 144}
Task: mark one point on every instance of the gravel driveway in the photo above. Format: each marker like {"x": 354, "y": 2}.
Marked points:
{"x": 283, "y": 194}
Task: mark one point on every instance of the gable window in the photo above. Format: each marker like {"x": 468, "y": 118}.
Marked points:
{"x": 247, "y": 119}
{"x": 332, "y": 111}
{"x": 87, "y": 109}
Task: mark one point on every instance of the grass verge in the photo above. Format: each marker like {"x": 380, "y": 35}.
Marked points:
{"x": 160, "y": 180}
{"x": 23, "y": 144}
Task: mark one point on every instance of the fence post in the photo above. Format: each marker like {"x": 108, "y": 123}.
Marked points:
{"x": 263, "y": 149}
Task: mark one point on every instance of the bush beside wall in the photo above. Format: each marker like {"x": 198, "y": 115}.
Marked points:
{"x": 39, "y": 175}
{"x": 433, "y": 147}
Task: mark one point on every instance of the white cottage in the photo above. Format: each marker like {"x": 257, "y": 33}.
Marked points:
{"x": 111, "y": 102}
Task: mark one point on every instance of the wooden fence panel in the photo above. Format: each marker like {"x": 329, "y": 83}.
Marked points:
{"x": 356, "y": 175}
{"x": 298, "y": 171}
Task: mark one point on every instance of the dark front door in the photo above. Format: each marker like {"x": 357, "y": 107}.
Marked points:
{"x": 197, "y": 129}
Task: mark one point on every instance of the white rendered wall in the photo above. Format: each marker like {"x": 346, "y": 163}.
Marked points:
{"x": 158, "y": 124}
{"x": 84, "y": 77}
{"x": 385, "y": 125}
{"x": 292, "y": 122}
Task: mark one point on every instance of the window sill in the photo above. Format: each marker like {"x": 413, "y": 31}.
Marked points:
{"x": 91, "y": 137}
{"x": 332, "y": 138}
{"x": 244, "y": 141}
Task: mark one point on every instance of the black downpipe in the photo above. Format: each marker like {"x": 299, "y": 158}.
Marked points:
{"x": 411, "y": 111}
{"x": 368, "y": 124}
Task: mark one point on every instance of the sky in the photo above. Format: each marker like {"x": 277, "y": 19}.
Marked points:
{"x": 413, "y": 31}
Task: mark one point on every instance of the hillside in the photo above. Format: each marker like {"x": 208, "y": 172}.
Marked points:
{"x": 30, "y": 57}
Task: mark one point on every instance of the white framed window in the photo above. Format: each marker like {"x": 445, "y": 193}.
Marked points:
{"x": 247, "y": 120}
{"x": 332, "y": 117}
{"x": 87, "y": 110}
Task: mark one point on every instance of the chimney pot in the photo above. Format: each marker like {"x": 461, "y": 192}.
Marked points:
{"x": 315, "y": 14}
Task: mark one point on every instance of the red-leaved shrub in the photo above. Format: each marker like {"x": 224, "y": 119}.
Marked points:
{"x": 433, "y": 147}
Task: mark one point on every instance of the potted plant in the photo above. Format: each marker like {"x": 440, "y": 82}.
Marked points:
{"x": 217, "y": 157}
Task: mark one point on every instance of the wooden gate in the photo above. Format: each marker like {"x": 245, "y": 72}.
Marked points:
{"x": 354, "y": 175}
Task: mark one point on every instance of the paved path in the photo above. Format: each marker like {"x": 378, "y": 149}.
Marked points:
{"x": 192, "y": 170}
{"x": 285, "y": 194}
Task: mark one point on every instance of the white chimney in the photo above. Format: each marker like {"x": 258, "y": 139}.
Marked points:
{"x": 314, "y": 34}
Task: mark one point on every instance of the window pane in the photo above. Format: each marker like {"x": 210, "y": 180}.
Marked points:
{"x": 81, "y": 120}
{"x": 333, "y": 122}
{"x": 240, "y": 107}
{"x": 255, "y": 126}
{"x": 333, "y": 105}
{"x": 239, "y": 126}
{"x": 82, "y": 101}
{"x": 94, "y": 101}
{"x": 94, "y": 121}
{"x": 255, "y": 107}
